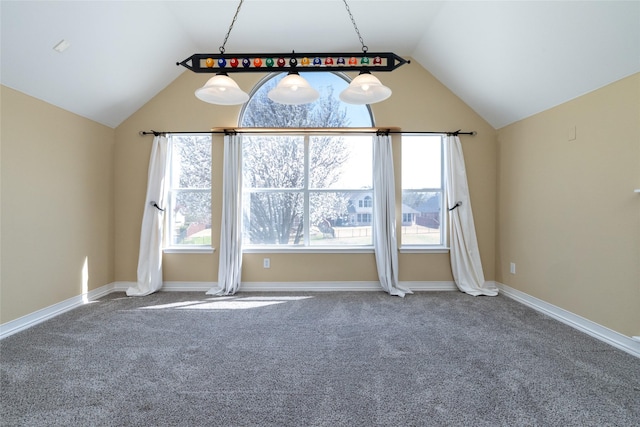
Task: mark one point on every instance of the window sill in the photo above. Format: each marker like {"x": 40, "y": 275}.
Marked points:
{"x": 308, "y": 250}
{"x": 424, "y": 250}
{"x": 189, "y": 250}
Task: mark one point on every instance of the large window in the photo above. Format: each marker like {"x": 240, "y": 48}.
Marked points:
{"x": 307, "y": 190}
{"x": 189, "y": 207}
{"x": 422, "y": 191}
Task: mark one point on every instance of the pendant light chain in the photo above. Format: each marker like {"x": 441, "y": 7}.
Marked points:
{"x": 231, "y": 26}
{"x": 292, "y": 89}
{"x": 365, "y": 48}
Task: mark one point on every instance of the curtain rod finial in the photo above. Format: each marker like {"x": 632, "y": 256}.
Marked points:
{"x": 151, "y": 132}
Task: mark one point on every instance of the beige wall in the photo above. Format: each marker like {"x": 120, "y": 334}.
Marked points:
{"x": 57, "y": 205}
{"x": 568, "y": 215}
{"x": 419, "y": 102}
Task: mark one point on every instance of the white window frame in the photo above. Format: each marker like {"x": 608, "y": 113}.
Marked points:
{"x": 168, "y": 246}
{"x": 441, "y": 247}
{"x": 306, "y": 247}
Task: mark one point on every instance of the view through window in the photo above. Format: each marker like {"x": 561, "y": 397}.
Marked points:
{"x": 307, "y": 189}
{"x": 422, "y": 190}
{"x": 189, "y": 207}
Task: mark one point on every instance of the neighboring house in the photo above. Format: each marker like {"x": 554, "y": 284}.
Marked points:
{"x": 429, "y": 212}
{"x": 409, "y": 215}
{"x": 360, "y": 212}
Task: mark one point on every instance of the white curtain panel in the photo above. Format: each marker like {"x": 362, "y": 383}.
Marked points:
{"x": 150, "y": 255}
{"x": 230, "y": 264}
{"x": 384, "y": 217}
{"x": 465, "y": 255}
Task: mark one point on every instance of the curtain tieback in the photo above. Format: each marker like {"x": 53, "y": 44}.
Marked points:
{"x": 455, "y": 206}
{"x": 155, "y": 205}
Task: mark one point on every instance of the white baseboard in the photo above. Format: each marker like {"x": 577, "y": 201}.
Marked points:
{"x": 340, "y": 286}
{"x": 430, "y": 286}
{"x": 171, "y": 286}
{"x": 121, "y": 286}
{"x": 623, "y": 342}
{"x": 24, "y": 322}
{"x": 308, "y": 286}
{"x": 630, "y": 345}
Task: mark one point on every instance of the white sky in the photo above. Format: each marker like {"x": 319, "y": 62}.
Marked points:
{"x": 354, "y": 174}
{"x": 421, "y": 161}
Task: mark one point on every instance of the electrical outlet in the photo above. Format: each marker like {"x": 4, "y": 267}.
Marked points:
{"x": 512, "y": 268}
{"x": 266, "y": 263}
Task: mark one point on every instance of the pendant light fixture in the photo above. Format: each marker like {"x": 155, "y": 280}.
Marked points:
{"x": 365, "y": 89}
{"x": 292, "y": 89}
{"x": 222, "y": 90}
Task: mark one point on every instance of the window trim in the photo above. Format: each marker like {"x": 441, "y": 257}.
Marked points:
{"x": 167, "y": 246}
{"x": 307, "y": 190}
{"x": 320, "y": 249}
{"x": 193, "y": 249}
{"x": 443, "y": 246}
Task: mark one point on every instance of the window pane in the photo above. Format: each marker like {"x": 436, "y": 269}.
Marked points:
{"x": 421, "y": 161}
{"x": 273, "y": 162}
{"x": 341, "y": 162}
{"x": 336, "y": 218}
{"x": 189, "y": 208}
{"x": 273, "y": 218}
{"x": 421, "y": 217}
{"x": 327, "y": 112}
{"x": 191, "y": 217}
{"x": 191, "y": 161}
{"x": 422, "y": 190}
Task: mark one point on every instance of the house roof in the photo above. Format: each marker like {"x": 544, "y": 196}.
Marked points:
{"x": 506, "y": 60}
{"x": 432, "y": 204}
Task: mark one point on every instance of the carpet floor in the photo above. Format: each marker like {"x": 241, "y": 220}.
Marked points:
{"x": 313, "y": 359}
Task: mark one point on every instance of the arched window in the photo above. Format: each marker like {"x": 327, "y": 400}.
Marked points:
{"x": 301, "y": 189}
{"x": 327, "y": 112}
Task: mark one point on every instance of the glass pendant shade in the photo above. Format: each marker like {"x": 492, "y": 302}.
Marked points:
{"x": 293, "y": 90}
{"x": 222, "y": 90}
{"x": 365, "y": 89}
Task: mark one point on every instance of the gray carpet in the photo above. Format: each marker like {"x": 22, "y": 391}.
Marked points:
{"x": 315, "y": 359}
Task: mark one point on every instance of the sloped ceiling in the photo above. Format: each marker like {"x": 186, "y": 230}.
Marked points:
{"x": 506, "y": 59}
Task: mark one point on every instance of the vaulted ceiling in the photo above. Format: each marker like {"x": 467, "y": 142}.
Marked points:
{"x": 506, "y": 59}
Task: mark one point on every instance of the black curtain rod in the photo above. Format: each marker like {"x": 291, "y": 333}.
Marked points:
{"x": 327, "y": 130}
